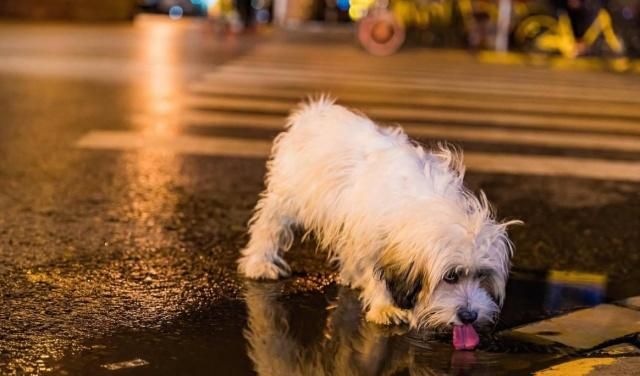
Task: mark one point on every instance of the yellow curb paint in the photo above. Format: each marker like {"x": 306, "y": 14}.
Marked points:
{"x": 561, "y": 63}
{"x": 579, "y": 367}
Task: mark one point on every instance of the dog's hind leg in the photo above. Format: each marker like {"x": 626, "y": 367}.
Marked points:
{"x": 271, "y": 235}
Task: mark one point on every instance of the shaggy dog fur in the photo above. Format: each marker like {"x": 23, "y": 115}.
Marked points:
{"x": 395, "y": 217}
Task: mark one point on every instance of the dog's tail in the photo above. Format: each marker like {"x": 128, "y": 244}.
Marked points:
{"x": 314, "y": 105}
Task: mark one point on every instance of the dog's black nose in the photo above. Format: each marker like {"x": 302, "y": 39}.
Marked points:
{"x": 466, "y": 316}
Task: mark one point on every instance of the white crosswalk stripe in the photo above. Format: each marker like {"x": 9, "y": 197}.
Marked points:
{"x": 429, "y": 98}
{"x": 219, "y": 146}
{"x": 483, "y": 162}
{"x": 365, "y": 81}
{"x": 405, "y": 115}
{"x": 433, "y": 95}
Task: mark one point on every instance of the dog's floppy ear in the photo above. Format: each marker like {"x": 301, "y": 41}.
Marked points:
{"x": 404, "y": 290}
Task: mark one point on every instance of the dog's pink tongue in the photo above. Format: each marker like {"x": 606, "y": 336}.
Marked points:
{"x": 465, "y": 337}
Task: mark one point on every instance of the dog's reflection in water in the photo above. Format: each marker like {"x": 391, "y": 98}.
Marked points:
{"x": 348, "y": 345}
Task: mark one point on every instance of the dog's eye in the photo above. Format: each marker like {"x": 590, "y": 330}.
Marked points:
{"x": 482, "y": 274}
{"x": 451, "y": 277}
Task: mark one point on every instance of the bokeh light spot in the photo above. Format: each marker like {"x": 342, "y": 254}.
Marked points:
{"x": 262, "y": 16}
{"x": 175, "y": 12}
{"x": 343, "y": 4}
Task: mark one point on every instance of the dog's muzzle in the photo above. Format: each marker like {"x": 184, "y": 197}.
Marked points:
{"x": 466, "y": 316}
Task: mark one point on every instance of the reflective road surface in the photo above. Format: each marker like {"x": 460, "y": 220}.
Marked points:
{"x": 131, "y": 156}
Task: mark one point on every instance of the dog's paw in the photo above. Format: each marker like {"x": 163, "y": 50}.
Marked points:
{"x": 388, "y": 315}
{"x": 258, "y": 267}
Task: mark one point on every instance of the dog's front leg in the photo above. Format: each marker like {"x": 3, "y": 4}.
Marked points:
{"x": 271, "y": 235}
{"x": 379, "y": 304}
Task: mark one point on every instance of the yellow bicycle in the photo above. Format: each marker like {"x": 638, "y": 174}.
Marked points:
{"x": 542, "y": 33}
{"x": 383, "y": 28}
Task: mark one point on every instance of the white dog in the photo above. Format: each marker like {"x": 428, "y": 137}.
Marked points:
{"x": 395, "y": 217}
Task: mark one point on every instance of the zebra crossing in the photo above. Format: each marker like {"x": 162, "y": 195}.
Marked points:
{"x": 509, "y": 119}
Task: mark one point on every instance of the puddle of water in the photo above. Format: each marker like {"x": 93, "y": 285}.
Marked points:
{"x": 535, "y": 295}
{"x": 324, "y": 334}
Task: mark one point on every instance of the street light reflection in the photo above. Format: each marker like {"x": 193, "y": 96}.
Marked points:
{"x": 158, "y": 49}
{"x": 150, "y": 200}
{"x": 150, "y": 171}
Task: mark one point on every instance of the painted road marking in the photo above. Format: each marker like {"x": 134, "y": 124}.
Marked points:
{"x": 481, "y": 162}
{"x": 587, "y": 328}
{"x": 524, "y": 137}
{"x": 403, "y": 115}
{"x": 553, "y": 166}
{"x": 429, "y": 98}
{"x": 182, "y": 144}
{"x": 578, "y": 367}
{"x": 443, "y": 83}
{"x": 439, "y": 66}
{"x": 451, "y": 59}
{"x": 464, "y": 74}
{"x": 588, "y": 141}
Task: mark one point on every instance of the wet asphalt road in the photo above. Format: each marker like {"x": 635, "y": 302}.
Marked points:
{"x": 110, "y": 255}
